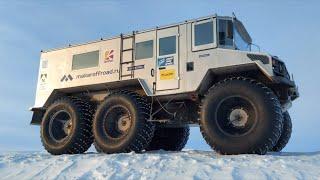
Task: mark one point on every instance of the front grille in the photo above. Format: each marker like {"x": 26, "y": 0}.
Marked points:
{"x": 279, "y": 68}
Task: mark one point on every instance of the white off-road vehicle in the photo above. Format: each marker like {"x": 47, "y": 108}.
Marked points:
{"x": 141, "y": 91}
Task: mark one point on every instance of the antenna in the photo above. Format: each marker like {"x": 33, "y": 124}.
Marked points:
{"x": 234, "y": 15}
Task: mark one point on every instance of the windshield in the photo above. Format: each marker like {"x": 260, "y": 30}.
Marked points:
{"x": 232, "y": 34}
{"x": 239, "y": 42}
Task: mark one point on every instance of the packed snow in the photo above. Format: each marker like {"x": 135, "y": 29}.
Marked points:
{"x": 189, "y": 164}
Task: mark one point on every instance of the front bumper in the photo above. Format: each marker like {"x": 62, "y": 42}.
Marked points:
{"x": 287, "y": 85}
{"x": 37, "y": 115}
{"x": 284, "y": 84}
{"x": 287, "y": 88}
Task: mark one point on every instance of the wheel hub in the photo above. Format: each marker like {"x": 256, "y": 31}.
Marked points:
{"x": 67, "y": 127}
{"x": 124, "y": 123}
{"x": 117, "y": 121}
{"x": 238, "y": 117}
{"x": 60, "y": 125}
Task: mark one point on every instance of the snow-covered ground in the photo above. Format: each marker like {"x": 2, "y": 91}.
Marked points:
{"x": 189, "y": 164}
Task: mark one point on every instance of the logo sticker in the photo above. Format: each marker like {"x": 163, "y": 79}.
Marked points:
{"x": 203, "y": 55}
{"x": 66, "y": 78}
{"x": 166, "y": 61}
{"x": 43, "y": 77}
{"x": 44, "y": 64}
{"x": 69, "y": 77}
{"x": 43, "y": 81}
{"x": 167, "y": 74}
{"x": 108, "y": 56}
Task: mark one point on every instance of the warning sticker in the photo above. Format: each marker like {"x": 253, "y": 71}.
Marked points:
{"x": 43, "y": 81}
{"x": 167, "y": 74}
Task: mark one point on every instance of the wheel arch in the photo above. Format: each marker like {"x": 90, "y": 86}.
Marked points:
{"x": 215, "y": 75}
{"x": 137, "y": 85}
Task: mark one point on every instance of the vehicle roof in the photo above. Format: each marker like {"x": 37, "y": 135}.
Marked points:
{"x": 136, "y": 32}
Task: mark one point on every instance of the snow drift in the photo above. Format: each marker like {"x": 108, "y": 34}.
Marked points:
{"x": 188, "y": 164}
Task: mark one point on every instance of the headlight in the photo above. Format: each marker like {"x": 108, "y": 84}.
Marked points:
{"x": 279, "y": 68}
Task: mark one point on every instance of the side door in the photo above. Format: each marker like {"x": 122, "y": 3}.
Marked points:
{"x": 167, "y": 67}
{"x": 145, "y": 58}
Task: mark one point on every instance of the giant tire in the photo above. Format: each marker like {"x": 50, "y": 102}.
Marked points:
{"x": 285, "y": 134}
{"x": 239, "y": 115}
{"x": 66, "y": 126}
{"x": 169, "y": 139}
{"x": 121, "y": 123}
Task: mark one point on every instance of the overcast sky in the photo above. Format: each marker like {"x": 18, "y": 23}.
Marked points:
{"x": 287, "y": 28}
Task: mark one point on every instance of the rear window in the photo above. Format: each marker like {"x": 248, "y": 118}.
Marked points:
{"x": 85, "y": 60}
{"x": 144, "y": 50}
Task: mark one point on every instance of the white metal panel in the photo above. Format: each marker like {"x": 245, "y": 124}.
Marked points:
{"x": 127, "y": 43}
{"x": 59, "y": 64}
{"x": 144, "y": 67}
{"x": 168, "y": 74}
{"x": 127, "y": 56}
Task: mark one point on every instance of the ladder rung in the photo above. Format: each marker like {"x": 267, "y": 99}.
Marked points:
{"x": 126, "y": 75}
{"x": 127, "y": 62}
{"x": 127, "y": 49}
{"x": 127, "y": 37}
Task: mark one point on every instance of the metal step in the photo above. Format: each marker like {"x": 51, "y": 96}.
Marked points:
{"x": 131, "y": 49}
{"x": 126, "y": 75}
{"x": 127, "y": 62}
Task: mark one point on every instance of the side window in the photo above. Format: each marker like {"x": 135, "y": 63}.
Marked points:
{"x": 203, "y": 33}
{"x": 85, "y": 60}
{"x": 144, "y": 50}
{"x": 167, "y": 45}
{"x": 225, "y": 32}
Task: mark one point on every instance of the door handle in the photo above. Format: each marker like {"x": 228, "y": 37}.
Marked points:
{"x": 152, "y": 72}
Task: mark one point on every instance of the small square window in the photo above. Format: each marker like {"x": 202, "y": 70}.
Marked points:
{"x": 167, "y": 45}
{"x": 203, "y": 33}
{"x": 144, "y": 50}
{"x": 85, "y": 60}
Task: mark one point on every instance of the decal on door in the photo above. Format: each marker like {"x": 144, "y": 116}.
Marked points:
{"x": 165, "y": 61}
{"x": 167, "y": 74}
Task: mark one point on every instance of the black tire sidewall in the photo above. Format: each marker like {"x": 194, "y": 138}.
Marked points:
{"x": 107, "y": 144}
{"x": 51, "y": 145}
{"x": 285, "y": 134}
{"x": 264, "y": 119}
{"x": 175, "y": 139}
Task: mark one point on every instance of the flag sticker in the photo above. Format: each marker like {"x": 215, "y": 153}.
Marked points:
{"x": 166, "y": 61}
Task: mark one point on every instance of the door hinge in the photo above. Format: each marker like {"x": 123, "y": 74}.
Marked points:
{"x": 154, "y": 87}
